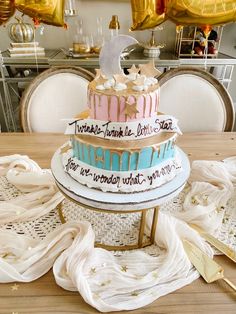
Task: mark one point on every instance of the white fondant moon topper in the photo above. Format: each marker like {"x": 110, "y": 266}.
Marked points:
{"x": 109, "y": 57}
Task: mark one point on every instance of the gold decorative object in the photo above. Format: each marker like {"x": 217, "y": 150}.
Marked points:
{"x": 149, "y": 69}
{"x": 144, "y": 14}
{"x": 65, "y": 149}
{"x": 120, "y": 78}
{"x": 150, "y": 13}
{"x": 14, "y": 287}
{"x": 133, "y": 69}
{"x": 50, "y": 12}
{"x": 225, "y": 249}
{"x": 197, "y": 12}
{"x": 131, "y": 109}
{"x": 152, "y": 49}
{"x": 114, "y": 25}
{"x": 207, "y": 267}
{"x": 7, "y": 9}
{"x": 21, "y": 32}
{"x": 141, "y": 241}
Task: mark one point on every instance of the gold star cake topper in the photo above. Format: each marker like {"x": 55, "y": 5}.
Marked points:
{"x": 130, "y": 109}
{"x": 149, "y": 69}
{"x": 133, "y": 69}
{"x": 99, "y": 77}
{"x": 120, "y": 78}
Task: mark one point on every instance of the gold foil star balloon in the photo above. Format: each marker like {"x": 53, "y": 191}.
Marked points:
{"x": 145, "y": 15}
{"x": 200, "y": 12}
{"x": 7, "y": 9}
{"x": 46, "y": 11}
{"x": 151, "y": 13}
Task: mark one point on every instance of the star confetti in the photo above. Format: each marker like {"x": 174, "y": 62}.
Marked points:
{"x": 15, "y": 287}
{"x": 149, "y": 69}
{"x": 93, "y": 270}
{"x": 124, "y": 268}
{"x": 134, "y": 294}
{"x": 130, "y": 109}
{"x": 133, "y": 69}
{"x": 65, "y": 149}
{"x": 120, "y": 78}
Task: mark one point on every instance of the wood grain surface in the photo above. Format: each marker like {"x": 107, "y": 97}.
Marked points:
{"x": 44, "y": 296}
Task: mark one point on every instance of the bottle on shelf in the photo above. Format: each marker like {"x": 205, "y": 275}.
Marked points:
{"x": 114, "y": 26}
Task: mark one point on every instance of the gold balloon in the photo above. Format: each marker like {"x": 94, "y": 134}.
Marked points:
{"x": 46, "y": 11}
{"x": 144, "y": 14}
{"x": 201, "y": 12}
{"x": 7, "y": 9}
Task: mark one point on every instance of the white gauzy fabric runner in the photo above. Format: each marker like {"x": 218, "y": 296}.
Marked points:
{"x": 40, "y": 192}
{"x": 107, "y": 281}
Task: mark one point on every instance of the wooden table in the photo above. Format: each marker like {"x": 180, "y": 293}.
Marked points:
{"x": 44, "y": 296}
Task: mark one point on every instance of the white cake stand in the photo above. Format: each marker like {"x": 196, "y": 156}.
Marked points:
{"x": 117, "y": 203}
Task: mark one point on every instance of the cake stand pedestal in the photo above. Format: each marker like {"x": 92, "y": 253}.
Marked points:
{"x": 117, "y": 203}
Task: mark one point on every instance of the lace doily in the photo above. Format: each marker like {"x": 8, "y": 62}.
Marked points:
{"x": 112, "y": 229}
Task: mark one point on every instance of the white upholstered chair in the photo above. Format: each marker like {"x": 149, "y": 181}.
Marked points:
{"x": 197, "y": 99}
{"x": 55, "y": 94}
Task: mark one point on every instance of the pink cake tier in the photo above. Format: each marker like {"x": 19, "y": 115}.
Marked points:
{"x": 113, "y": 105}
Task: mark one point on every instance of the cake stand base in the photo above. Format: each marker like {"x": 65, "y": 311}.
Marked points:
{"x": 120, "y": 203}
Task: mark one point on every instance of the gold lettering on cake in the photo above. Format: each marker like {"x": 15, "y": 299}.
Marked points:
{"x": 94, "y": 106}
{"x": 151, "y": 104}
{"x": 99, "y": 100}
{"x": 109, "y": 107}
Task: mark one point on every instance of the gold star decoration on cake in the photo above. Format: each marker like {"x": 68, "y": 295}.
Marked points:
{"x": 149, "y": 69}
{"x": 120, "y": 78}
{"x": 99, "y": 77}
{"x": 133, "y": 69}
{"x": 64, "y": 149}
{"x": 98, "y": 74}
{"x": 99, "y": 158}
{"x": 130, "y": 109}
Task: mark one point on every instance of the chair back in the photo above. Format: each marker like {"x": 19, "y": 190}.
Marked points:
{"x": 55, "y": 94}
{"x": 197, "y": 99}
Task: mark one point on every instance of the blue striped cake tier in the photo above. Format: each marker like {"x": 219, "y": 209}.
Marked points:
{"x": 118, "y": 155}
